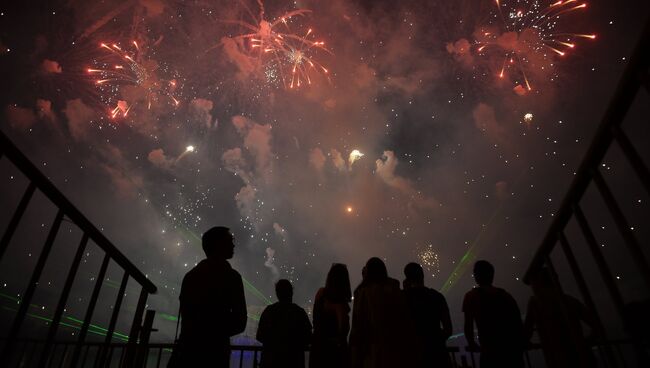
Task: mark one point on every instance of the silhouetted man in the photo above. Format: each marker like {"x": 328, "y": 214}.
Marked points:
{"x": 430, "y": 313}
{"x": 284, "y": 330}
{"x": 213, "y": 306}
{"x": 498, "y": 321}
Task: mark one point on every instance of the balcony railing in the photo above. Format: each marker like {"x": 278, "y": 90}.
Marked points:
{"x": 9, "y": 355}
{"x": 589, "y": 175}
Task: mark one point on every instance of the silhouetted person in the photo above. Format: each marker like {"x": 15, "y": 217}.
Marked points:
{"x": 430, "y": 313}
{"x": 381, "y": 329}
{"x": 213, "y": 306}
{"x": 558, "y": 318}
{"x": 284, "y": 330}
{"x": 332, "y": 321}
{"x": 498, "y": 321}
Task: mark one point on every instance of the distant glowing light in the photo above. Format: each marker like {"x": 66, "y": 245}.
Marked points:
{"x": 189, "y": 149}
{"x": 354, "y": 156}
{"x": 349, "y": 209}
{"x": 528, "y": 117}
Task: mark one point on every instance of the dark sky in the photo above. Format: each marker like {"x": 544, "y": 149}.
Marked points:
{"x": 471, "y": 123}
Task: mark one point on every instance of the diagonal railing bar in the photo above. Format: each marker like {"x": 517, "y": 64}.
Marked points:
{"x": 15, "y": 219}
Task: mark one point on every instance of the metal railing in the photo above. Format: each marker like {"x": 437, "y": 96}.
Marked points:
{"x": 634, "y": 78}
{"x": 65, "y": 209}
{"x": 97, "y": 354}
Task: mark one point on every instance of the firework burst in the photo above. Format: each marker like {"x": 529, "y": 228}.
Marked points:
{"x": 527, "y": 36}
{"x": 429, "y": 259}
{"x": 123, "y": 67}
{"x": 281, "y": 54}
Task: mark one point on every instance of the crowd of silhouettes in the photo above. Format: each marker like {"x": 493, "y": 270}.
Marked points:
{"x": 390, "y": 326}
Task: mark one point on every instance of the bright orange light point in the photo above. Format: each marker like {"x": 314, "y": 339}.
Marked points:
{"x": 348, "y": 209}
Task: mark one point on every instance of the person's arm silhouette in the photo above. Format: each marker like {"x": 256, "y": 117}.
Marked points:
{"x": 446, "y": 320}
{"x": 263, "y": 327}
{"x": 306, "y": 328}
{"x": 468, "y": 309}
{"x": 238, "y": 313}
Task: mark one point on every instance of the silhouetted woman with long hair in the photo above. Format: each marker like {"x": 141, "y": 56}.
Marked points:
{"x": 332, "y": 320}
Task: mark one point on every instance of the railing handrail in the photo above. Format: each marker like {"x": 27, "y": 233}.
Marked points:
{"x": 620, "y": 103}
{"x": 32, "y": 173}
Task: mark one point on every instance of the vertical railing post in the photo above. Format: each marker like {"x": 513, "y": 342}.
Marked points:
{"x": 58, "y": 313}
{"x": 624, "y": 228}
{"x": 145, "y": 334}
{"x": 135, "y": 329}
{"x": 91, "y": 309}
{"x": 588, "y": 300}
{"x": 116, "y": 307}
{"x": 7, "y": 351}
{"x": 633, "y": 157}
{"x": 101, "y": 357}
{"x": 15, "y": 219}
{"x": 603, "y": 268}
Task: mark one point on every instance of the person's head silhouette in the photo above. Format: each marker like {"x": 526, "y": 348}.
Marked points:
{"x": 218, "y": 243}
{"x": 284, "y": 291}
{"x": 376, "y": 270}
{"x": 337, "y": 285}
{"x": 483, "y": 273}
{"x": 414, "y": 275}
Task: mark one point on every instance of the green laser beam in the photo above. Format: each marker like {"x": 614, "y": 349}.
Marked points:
{"x": 255, "y": 292}
{"x": 471, "y": 253}
{"x": 467, "y": 258}
{"x": 93, "y": 329}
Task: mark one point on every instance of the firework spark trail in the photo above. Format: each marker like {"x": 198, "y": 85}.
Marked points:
{"x": 542, "y": 20}
{"x": 274, "y": 48}
{"x": 355, "y": 155}
{"x": 129, "y": 67}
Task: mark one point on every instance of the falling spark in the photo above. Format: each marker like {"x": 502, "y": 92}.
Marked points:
{"x": 536, "y": 17}
{"x": 128, "y": 66}
{"x": 189, "y": 149}
{"x": 283, "y": 55}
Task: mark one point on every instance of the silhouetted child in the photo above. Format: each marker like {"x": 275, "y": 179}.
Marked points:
{"x": 213, "y": 306}
{"x": 498, "y": 321}
{"x": 558, "y": 319}
{"x": 430, "y": 313}
{"x": 381, "y": 329}
{"x": 332, "y": 320}
{"x": 284, "y": 330}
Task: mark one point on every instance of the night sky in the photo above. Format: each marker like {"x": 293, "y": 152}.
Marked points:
{"x": 468, "y": 119}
